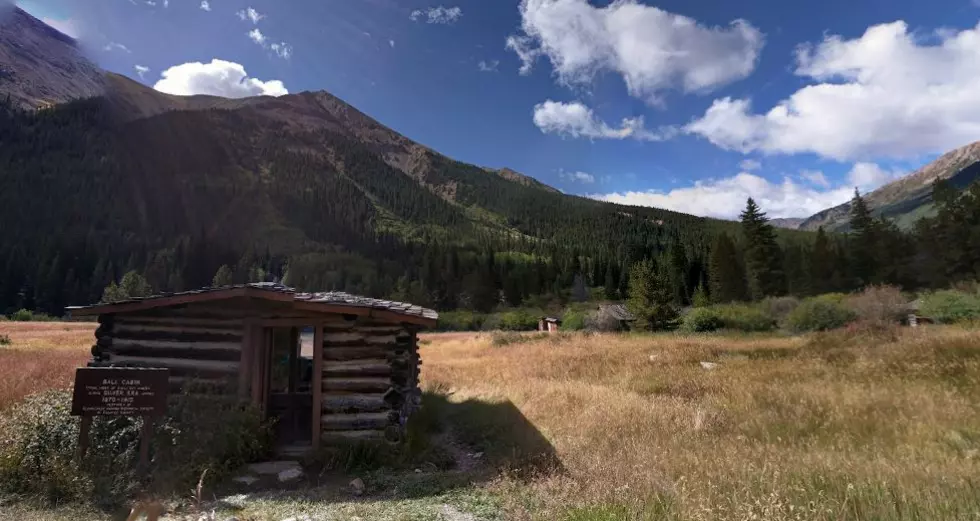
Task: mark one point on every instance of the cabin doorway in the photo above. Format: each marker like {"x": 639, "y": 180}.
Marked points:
{"x": 290, "y": 393}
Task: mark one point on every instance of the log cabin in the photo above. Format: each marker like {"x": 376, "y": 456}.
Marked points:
{"x": 355, "y": 376}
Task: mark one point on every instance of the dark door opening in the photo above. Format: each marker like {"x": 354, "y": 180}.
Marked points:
{"x": 290, "y": 374}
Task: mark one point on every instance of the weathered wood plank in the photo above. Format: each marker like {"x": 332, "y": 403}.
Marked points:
{"x": 203, "y": 346}
{"x": 354, "y": 353}
{"x": 360, "y": 435}
{"x": 357, "y": 367}
{"x": 182, "y": 351}
{"x": 179, "y": 321}
{"x": 346, "y": 422}
{"x": 356, "y": 384}
{"x": 361, "y": 402}
{"x": 176, "y": 363}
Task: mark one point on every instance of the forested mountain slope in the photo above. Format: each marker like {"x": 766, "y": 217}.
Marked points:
{"x": 304, "y": 184}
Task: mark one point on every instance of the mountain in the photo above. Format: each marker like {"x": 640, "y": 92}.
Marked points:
{"x": 910, "y": 198}
{"x": 789, "y": 223}
{"x": 303, "y": 187}
{"x": 39, "y": 66}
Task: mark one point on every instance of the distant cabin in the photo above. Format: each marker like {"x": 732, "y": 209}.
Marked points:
{"x": 358, "y": 379}
{"x": 615, "y": 312}
{"x": 549, "y": 324}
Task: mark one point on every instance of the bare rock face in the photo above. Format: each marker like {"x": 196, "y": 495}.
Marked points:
{"x": 39, "y": 66}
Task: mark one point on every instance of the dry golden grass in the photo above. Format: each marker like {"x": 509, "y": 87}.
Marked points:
{"x": 42, "y": 355}
{"x": 845, "y": 425}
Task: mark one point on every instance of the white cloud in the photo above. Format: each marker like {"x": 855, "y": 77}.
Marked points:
{"x": 141, "y": 70}
{"x": 437, "y": 15}
{"x": 725, "y": 198}
{"x": 749, "y": 164}
{"x": 653, "y": 50}
{"x": 66, "y": 27}
{"x": 113, "y": 46}
{"x": 490, "y": 66}
{"x": 256, "y": 36}
{"x": 580, "y": 177}
{"x": 391, "y": 43}
{"x": 250, "y": 14}
{"x": 815, "y": 177}
{"x": 166, "y": 3}
{"x": 577, "y": 120}
{"x": 888, "y": 93}
{"x": 205, "y": 5}
{"x": 282, "y": 50}
{"x": 218, "y": 78}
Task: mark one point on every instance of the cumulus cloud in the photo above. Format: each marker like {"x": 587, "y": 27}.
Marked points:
{"x": 115, "y": 46}
{"x": 653, "y": 50}
{"x": 141, "y": 70}
{"x": 490, "y": 66}
{"x": 218, "y": 78}
{"x": 578, "y": 177}
{"x": 815, "y": 177}
{"x": 725, "y": 198}
{"x": 888, "y": 93}
{"x": 250, "y": 14}
{"x": 205, "y": 5}
{"x": 437, "y": 15}
{"x": 391, "y": 43}
{"x": 256, "y": 36}
{"x": 749, "y": 164}
{"x": 577, "y": 120}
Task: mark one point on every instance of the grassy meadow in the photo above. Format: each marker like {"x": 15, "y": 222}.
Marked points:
{"x": 863, "y": 423}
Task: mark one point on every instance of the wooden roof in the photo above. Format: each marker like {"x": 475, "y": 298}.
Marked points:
{"x": 332, "y": 302}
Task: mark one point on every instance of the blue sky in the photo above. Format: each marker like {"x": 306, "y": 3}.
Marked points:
{"x": 689, "y": 105}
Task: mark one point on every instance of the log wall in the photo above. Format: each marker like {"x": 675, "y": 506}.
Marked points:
{"x": 369, "y": 381}
{"x": 198, "y": 344}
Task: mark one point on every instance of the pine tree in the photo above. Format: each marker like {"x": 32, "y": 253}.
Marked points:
{"x": 821, "y": 264}
{"x": 864, "y": 242}
{"x": 700, "y": 298}
{"x": 223, "y": 277}
{"x": 763, "y": 258}
{"x": 132, "y": 285}
{"x": 727, "y": 281}
{"x": 650, "y": 298}
{"x": 611, "y": 285}
{"x": 676, "y": 269}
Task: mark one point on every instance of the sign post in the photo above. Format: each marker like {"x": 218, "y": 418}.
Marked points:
{"x": 120, "y": 391}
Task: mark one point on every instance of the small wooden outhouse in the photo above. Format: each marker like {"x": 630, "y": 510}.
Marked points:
{"x": 549, "y": 324}
{"x": 324, "y": 365}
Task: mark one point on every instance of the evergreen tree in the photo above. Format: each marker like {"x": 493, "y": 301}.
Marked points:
{"x": 821, "y": 264}
{"x": 132, "y": 285}
{"x": 676, "y": 272}
{"x": 223, "y": 277}
{"x": 611, "y": 285}
{"x": 864, "y": 242}
{"x": 700, "y": 298}
{"x": 763, "y": 258}
{"x": 650, "y": 298}
{"x": 727, "y": 280}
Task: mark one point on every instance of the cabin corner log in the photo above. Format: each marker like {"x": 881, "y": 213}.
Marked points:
{"x": 369, "y": 380}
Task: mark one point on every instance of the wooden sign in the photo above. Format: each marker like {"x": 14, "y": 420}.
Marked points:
{"x": 120, "y": 391}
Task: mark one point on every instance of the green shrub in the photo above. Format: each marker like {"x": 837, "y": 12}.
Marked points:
{"x": 5, "y": 340}
{"x": 950, "y": 306}
{"x": 519, "y": 320}
{"x": 819, "y": 314}
{"x": 745, "y": 317}
{"x": 40, "y": 442}
{"x": 702, "y": 320}
{"x": 573, "y": 321}
{"x": 460, "y": 321}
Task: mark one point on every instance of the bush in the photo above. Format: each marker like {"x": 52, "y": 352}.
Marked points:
{"x": 460, "y": 321}
{"x": 702, "y": 320}
{"x": 40, "y": 441}
{"x": 878, "y": 304}
{"x": 573, "y": 321}
{"x": 5, "y": 340}
{"x": 780, "y": 307}
{"x": 745, "y": 317}
{"x": 951, "y": 306}
{"x": 519, "y": 320}
{"x": 819, "y": 314}
{"x": 26, "y": 315}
